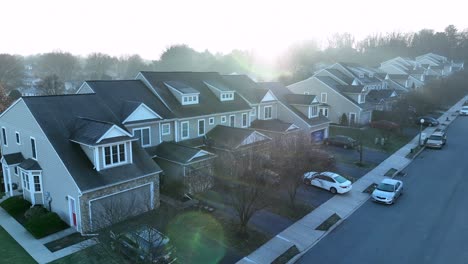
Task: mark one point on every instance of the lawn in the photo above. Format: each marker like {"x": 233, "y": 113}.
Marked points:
{"x": 12, "y": 252}
{"x": 395, "y": 140}
{"x": 85, "y": 256}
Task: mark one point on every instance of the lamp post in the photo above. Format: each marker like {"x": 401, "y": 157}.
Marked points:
{"x": 421, "y": 122}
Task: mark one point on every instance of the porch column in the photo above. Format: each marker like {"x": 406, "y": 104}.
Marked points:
{"x": 31, "y": 188}
{"x": 5, "y": 179}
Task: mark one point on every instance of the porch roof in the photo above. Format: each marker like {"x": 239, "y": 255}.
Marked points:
{"x": 14, "y": 158}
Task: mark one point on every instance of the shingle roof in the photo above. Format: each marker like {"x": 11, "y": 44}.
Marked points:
{"x": 274, "y": 125}
{"x": 375, "y": 96}
{"x": 232, "y": 138}
{"x": 181, "y": 87}
{"x": 209, "y": 103}
{"x": 340, "y": 75}
{"x": 350, "y": 88}
{"x": 179, "y": 153}
{"x": 245, "y": 86}
{"x": 14, "y": 158}
{"x": 30, "y": 164}
{"x": 57, "y": 115}
{"x": 88, "y": 131}
{"x": 124, "y": 96}
{"x": 302, "y": 99}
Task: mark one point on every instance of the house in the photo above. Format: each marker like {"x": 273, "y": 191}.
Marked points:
{"x": 73, "y": 155}
{"x": 382, "y": 100}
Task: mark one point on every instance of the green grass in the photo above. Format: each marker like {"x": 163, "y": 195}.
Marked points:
{"x": 327, "y": 224}
{"x": 11, "y": 251}
{"x": 16, "y": 206}
{"x": 367, "y": 135}
{"x": 2, "y": 194}
{"x": 85, "y": 256}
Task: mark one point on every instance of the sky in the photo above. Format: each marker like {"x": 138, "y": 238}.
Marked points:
{"x": 148, "y": 27}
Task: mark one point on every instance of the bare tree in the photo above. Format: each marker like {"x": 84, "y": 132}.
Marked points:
{"x": 51, "y": 85}
{"x": 199, "y": 179}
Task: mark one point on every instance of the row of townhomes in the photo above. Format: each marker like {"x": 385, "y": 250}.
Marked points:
{"x": 114, "y": 142}
{"x": 354, "y": 91}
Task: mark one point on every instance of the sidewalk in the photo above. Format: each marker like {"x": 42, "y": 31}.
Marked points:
{"x": 303, "y": 235}
{"x": 35, "y": 247}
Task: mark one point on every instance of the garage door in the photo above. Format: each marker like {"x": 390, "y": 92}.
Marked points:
{"x": 317, "y": 136}
{"x": 117, "y": 207}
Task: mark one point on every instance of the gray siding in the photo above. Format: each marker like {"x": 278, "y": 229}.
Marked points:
{"x": 261, "y": 110}
{"x": 154, "y": 131}
{"x": 55, "y": 177}
{"x": 287, "y": 115}
{"x": 171, "y": 136}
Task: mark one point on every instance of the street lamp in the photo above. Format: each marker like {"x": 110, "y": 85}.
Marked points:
{"x": 421, "y": 122}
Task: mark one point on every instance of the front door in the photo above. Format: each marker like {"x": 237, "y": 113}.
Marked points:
{"x": 352, "y": 119}
{"x": 72, "y": 211}
{"x": 232, "y": 120}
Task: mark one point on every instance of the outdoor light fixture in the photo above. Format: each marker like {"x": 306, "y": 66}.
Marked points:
{"x": 421, "y": 122}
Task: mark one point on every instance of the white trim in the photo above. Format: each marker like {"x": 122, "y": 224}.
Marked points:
{"x": 35, "y": 148}
{"x": 223, "y": 118}
{"x": 162, "y": 129}
{"x": 198, "y": 127}
{"x": 330, "y": 88}
{"x": 96, "y": 158}
{"x": 176, "y": 131}
{"x": 4, "y": 137}
{"x": 349, "y": 117}
{"x": 182, "y": 130}
{"x": 226, "y": 96}
{"x": 244, "y": 115}
{"x": 110, "y": 129}
{"x": 81, "y": 87}
{"x": 40, "y": 183}
{"x": 200, "y": 153}
{"x": 159, "y": 132}
{"x": 115, "y": 164}
{"x": 266, "y": 98}
{"x": 321, "y": 97}
{"x": 234, "y": 123}
{"x": 11, "y": 106}
{"x": 142, "y": 78}
{"x": 141, "y": 139}
{"x": 136, "y": 109}
{"x": 211, "y": 121}
{"x": 18, "y": 137}
{"x": 70, "y": 213}
{"x": 271, "y": 112}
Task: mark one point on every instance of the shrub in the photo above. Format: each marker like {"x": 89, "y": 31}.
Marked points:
{"x": 15, "y": 206}
{"x": 45, "y": 225}
{"x": 344, "y": 120}
{"x": 34, "y": 212}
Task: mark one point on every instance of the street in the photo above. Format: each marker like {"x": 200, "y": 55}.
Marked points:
{"x": 428, "y": 224}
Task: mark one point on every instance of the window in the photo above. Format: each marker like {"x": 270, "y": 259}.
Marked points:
{"x": 114, "y": 154}
{"x": 16, "y": 170}
{"x": 25, "y": 177}
{"x": 361, "y": 98}
{"x": 166, "y": 129}
{"x": 324, "y": 112}
{"x": 253, "y": 112}
{"x": 313, "y": 111}
{"x": 267, "y": 114}
{"x": 144, "y": 135}
{"x": 184, "y": 129}
{"x": 201, "y": 127}
{"x": 189, "y": 99}
{"x": 33, "y": 148}
{"x": 323, "y": 97}
{"x": 227, "y": 96}
{"x": 352, "y": 118}
{"x": 4, "y": 136}
{"x": 211, "y": 121}
{"x": 232, "y": 120}
{"x": 306, "y": 93}
{"x": 223, "y": 119}
{"x": 37, "y": 183}
{"x": 18, "y": 138}
{"x": 244, "y": 120}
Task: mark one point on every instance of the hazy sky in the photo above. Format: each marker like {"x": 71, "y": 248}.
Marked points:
{"x": 147, "y": 27}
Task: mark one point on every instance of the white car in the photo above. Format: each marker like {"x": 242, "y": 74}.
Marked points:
{"x": 329, "y": 181}
{"x": 464, "y": 110}
{"x": 387, "y": 191}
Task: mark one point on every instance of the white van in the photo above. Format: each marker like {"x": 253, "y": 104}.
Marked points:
{"x": 464, "y": 110}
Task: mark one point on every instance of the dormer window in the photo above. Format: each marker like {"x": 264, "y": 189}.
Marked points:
{"x": 227, "y": 96}
{"x": 361, "y": 75}
{"x": 189, "y": 99}
{"x": 313, "y": 111}
{"x": 114, "y": 155}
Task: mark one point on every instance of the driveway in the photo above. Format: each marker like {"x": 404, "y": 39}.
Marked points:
{"x": 427, "y": 224}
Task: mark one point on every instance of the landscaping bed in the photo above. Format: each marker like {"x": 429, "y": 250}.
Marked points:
{"x": 37, "y": 220}
{"x": 64, "y": 242}
{"x": 327, "y": 224}
{"x": 286, "y": 256}
{"x": 390, "y": 172}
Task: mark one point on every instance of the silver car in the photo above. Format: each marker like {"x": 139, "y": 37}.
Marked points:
{"x": 437, "y": 140}
{"x": 387, "y": 191}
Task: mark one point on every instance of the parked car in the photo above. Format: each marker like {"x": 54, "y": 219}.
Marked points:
{"x": 385, "y": 125}
{"x": 437, "y": 140}
{"x": 464, "y": 110}
{"x": 329, "y": 181}
{"x": 341, "y": 141}
{"x": 387, "y": 191}
{"x": 428, "y": 121}
{"x": 144, "y": 245}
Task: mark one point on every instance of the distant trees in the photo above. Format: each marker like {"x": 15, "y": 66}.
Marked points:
{"x": 62, "y": 64}
{"x": 11, "y": 71}
{"x": 51, "y": 85}
{"x": 5, "y": 101}
{"x": 98, "y": 66}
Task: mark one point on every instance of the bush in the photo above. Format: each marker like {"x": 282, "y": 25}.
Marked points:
{"x": 16, "y": 206}
{"x": 45, "y": 225}
{"x": 344, "y": 120}
{"x": 34, "y": 212}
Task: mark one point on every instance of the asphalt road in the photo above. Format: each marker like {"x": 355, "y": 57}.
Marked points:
{"x": 428, "y": 224}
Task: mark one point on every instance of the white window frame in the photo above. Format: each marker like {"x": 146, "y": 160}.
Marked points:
{"x": 234, "y": 123}
{"x": 4, "y": 137}
{"x": 322, "y": 95}
{"x": 361, "y": 98}
{"x": 265, "y": 112}
{"x": 182, "y": 129}
{"x": 349, "y": 118}
{"x": 198, "y": 127}
{"x": 168, "y": 126}
{"x": 120, "y": 162}
{"x": 34, "y": 183}
{"x": 189, "y": 99}
{"x": 33, "y": 153}
{"x": 324, "y": 111}
{"x": 244, "y": 118}
{"x": 16, "y": 170}
{"x": 25, "y": 180}
{"x": 18, "y": 138}
{"x": 141, "y": 139}
{"x": 211, "y": 121}
{"x": 223, "y": 119}
{"x": 227, "y": 96}
{"x": 311, "y": 111}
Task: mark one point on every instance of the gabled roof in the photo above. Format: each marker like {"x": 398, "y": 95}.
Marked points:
{"x": 30, "y": 164}
{"x": 208, "y": 103}
{"x": 14, "y": 158}
{"x": 57, "y": 117}
{"x": 301, "y": 99}
{"x": 138, "y": 112}
{"x": 375, "y": 96}
{"x": 94, "y": 132}
{"x": 350, "y": 88}
{"x": 273, "y": 125}
{"x": 340, "y": 75}
{"x": 246, "y": 87}
{"x": 179, "y": 153}
{"x": 232, "y": 138}
{"x": 181, "y": 87}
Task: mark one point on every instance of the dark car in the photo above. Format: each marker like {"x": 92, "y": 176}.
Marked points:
{"x": 385, "y": 125}
{"x": 341, "y": 141}
{"x": 427, "y": 121}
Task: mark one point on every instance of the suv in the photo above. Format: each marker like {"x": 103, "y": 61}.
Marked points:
{"x": 144, "y": 245}
{"x": 464, "y": 110}
{"x": 427, "y": 121}
{"x": 436, "y": 140}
